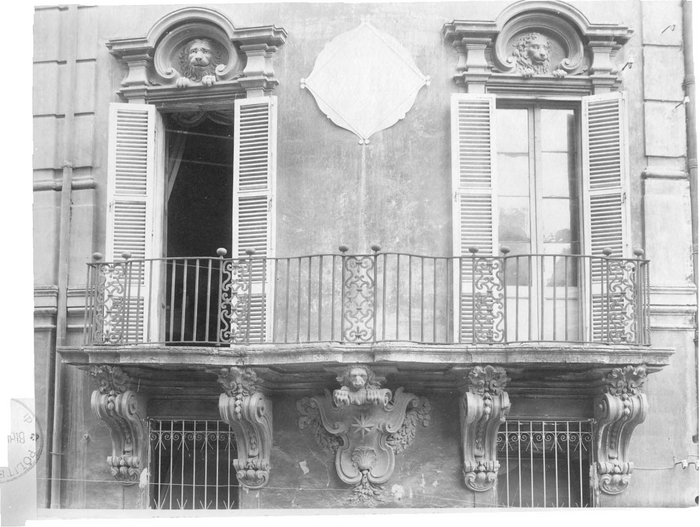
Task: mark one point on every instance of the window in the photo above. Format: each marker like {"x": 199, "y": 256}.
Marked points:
{"x": 546, "y": 179}
{"x": 144, "y": 189}
{"x": 544, "y": 464}
{"x": 191, "y": 465}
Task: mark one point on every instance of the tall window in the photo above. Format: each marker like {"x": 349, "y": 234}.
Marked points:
{"x": 547, "y": 180}
{"x": 538, "y": 196}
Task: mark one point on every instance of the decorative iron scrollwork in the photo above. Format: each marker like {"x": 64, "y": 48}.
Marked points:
{"x": 621, "y": 304}
{"x": 235, "y": 301}
{"x": 489, "y": 300}
{"x": 358, "y": 298}
{"x": 110, "y": 302}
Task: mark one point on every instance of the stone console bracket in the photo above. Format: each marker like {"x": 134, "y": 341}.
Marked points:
{"x": 483, "y": 408}
{"x": 248, "y": 411}
{"x": 124, "y": 411}
{"x": 618, "y": 410}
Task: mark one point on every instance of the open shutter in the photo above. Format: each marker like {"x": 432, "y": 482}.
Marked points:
{"x": 255, "y": 146}
{"x": 130, "y": 219}
{"x": 605, "y": 204}
{"x": 474, "y": 220}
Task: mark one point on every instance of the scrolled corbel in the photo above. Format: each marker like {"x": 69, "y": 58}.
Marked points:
{"x": 124, "y": 411}
{"x": 618, "y": 410}
{"x": 249, "y": 412}
{"x": 484, "y": 407}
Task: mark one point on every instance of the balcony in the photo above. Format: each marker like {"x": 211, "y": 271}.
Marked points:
{"x": 368, "y": 299}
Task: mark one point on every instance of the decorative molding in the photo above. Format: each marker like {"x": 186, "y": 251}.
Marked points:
{"x": 365, "y": 427}
{"x": 197, "y": 49}
{"x": 618, "y": 410}
{"x": 542, "y": 41}
{"x": 364, "y": 81}
{"x": 484, "y": 407}
{"x": 664, "y": 173}
{"x": 124, "y": 411}
{"x": 249, "y": 412}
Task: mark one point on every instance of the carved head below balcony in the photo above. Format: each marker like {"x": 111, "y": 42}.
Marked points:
{"x": 198, "y": 61}
{"x": 359, "y": 386}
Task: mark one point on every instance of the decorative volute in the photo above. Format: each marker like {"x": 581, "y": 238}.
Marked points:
{"x": 197, "y": 52}
{"x": 124, "y": 411}
{"x": 617, "y": 412}
{"x": 365, "y": 427}
{"x": 548, "y": 43}
{"x": 249, "y": 413}
{"x": 484, "y": 407}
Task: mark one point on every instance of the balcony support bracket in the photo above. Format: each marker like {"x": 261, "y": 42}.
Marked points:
{"x": 248, "y": 411}
{"x": 124, "y": 411}
{"x": 618, "y": 410}
{"x": 365, "y": 426}
{"x": 484, "y": 407}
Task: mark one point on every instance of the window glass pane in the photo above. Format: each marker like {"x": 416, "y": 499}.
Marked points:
{"x": 557, "y": 130}
{"x": 556, "y": 220}
{"x": 512, "y": 130}
{"x": 513, "y": 174}
{"x": 557, "y": 175}
{"x": 514, "y": 219}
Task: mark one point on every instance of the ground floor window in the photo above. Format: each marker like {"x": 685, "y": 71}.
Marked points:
{"x": 544, "y": 464}
{"x": 191, "y": 465}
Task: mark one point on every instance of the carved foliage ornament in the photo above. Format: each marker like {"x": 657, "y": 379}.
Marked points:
{"x": 249, "y": 413}
{"x": 618, "y": 410}
{"x": 124, "y": 411}
{"x": 484, "y": 407}
{"x": 365, "y": 427}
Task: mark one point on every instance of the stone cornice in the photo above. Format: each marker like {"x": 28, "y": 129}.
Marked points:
{"x": 448, "y": 354}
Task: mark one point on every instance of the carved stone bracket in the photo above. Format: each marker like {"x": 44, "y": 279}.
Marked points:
{"x": 365, "y": 427}
{"x": 618, "y": 410}
{"x": 124, "y": 411}
{"x": 549, "y": 43}
{"x": 249, "y": 412}
{"x": 197, "y": 52}
{"x": 484, "y": 407}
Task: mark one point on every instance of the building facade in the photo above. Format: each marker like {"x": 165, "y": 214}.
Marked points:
{"x": 366, "y": 255}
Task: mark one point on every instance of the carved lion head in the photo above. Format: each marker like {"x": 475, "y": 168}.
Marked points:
{"x": 199, "y": 57}
{"x": 358, "y": 377}
{"x": 532, "y": 51}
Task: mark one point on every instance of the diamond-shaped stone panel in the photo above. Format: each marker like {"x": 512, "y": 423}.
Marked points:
{"x": 364, "y": 81}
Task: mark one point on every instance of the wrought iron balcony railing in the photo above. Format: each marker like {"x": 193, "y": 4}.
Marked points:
{"x": 368, "y": 298}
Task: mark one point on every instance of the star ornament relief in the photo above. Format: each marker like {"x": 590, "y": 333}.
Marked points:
{"x": 365, "y": 81}
{"x": 361, "y": 425}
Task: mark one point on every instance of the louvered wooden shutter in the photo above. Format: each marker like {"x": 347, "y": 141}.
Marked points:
{"x": 255, "y": 145}
{"x": 474, "y": 219}
{"x": 130, "y": 217}
{"x": 605, "y": 186}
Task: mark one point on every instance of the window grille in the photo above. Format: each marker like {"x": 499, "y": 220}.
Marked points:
{"x": 544, "y": 464}
{"x": 191, "y": 465}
